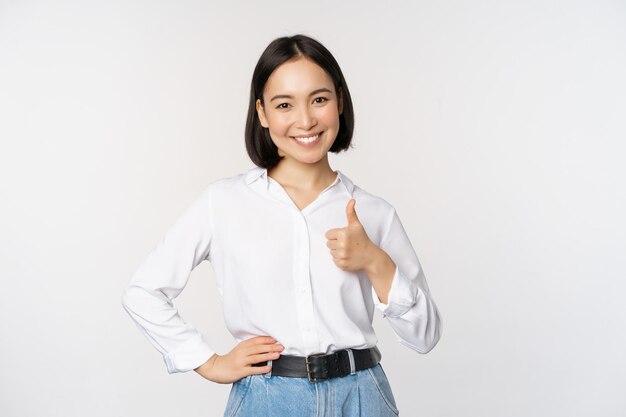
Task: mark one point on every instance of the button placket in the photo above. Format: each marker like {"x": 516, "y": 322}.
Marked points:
{"x": 302, "y": 282}
{"x": 301, "y": 264}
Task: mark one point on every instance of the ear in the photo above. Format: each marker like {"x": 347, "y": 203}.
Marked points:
{"x": 261, "y": 113}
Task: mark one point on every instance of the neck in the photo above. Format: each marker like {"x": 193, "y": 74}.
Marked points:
{"x": 294, "y": 174}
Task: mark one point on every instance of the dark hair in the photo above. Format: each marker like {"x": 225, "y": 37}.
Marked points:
{"x": 259, "y": 145}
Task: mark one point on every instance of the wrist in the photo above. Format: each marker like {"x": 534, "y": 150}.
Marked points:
{"x": 380, "y": 271}
{"x": 205, "y": 368}
{"x": 375, "y": 260}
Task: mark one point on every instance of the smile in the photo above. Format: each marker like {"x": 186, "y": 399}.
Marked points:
{"x": 307, "y": 140}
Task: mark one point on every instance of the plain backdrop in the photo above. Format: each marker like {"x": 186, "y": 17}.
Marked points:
{"x": 496, "y": 129}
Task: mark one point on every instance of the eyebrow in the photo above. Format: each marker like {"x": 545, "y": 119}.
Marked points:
{"x": 319, "y": 90}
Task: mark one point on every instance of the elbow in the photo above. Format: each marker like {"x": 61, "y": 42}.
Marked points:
{"x": 127, "y": 300}
{"x": 434, "y": 335}
{"x": 427, "y": 344}
{"x": 425, "y": 340}
{"x": 124, "y": 300}
{"x": 431, "y": 341}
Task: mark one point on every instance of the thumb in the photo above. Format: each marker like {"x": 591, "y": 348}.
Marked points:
{"x": 351, "y": 213}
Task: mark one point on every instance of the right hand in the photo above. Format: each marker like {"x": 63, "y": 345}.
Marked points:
{"x": 237, "y": 364}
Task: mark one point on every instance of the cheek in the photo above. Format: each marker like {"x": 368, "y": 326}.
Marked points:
{"x": 279, "y": 123}
{"x": 330, "y": 117}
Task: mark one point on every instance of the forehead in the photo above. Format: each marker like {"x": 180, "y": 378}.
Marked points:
{"x": 298, "y": 76}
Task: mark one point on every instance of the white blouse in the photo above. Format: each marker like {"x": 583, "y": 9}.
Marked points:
{"x": 275, "y": 275}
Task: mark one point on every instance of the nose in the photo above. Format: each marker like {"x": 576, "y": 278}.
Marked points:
{"x": 306, "y": 118}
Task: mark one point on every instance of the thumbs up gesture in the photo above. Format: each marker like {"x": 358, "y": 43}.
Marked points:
{"x": 350, "y": 246}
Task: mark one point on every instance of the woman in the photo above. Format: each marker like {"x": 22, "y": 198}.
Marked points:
{"x": 298, "y": 271}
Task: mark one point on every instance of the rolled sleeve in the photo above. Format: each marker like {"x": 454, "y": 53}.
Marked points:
{"x": 410, "y": 309}
{"x": 189, "y": 356}
{"x": 401, "y": 298}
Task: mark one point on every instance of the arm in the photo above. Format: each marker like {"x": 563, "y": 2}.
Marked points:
{"x": 161, "y": 278}
{"x": 405, "y": 302}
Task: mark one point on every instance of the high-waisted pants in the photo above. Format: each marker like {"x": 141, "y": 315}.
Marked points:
{"x": 365, "y": 393}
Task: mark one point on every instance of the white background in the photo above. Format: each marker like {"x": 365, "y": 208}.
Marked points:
{"x": 503, "y": 121}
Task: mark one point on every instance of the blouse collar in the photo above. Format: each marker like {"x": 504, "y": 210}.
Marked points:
{"x": 256, "y": 173}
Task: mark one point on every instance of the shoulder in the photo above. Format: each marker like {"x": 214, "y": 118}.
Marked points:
{"x": 375, "y": 213}
{"x": 359, "y": 194}
{"x": 366, "y": 199}
{"x": 228, "y": 184}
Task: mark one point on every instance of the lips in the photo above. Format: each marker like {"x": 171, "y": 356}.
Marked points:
{"x": 308, "y": 139}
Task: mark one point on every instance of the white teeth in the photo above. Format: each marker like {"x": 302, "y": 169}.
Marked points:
{"x": 307, "y": 140}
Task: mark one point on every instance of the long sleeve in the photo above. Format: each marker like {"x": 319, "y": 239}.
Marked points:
{"x": 410, "y": 310}
{"x": 161, "y": 278}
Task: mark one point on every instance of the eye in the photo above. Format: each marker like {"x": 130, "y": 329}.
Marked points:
{"x": 319, "y": 100}
{"x": 283, "y": 105}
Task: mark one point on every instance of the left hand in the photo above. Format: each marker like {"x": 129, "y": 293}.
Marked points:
{"x": 350, "y": 246}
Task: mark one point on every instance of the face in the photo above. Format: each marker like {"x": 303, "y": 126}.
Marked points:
{"x": 301, "y": 110}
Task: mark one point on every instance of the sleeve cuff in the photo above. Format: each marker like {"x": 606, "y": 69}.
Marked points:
{"x": 191, "y": 355}
{"x": 402, "y": 296}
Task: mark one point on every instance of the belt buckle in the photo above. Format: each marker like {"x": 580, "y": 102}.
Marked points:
{"x": 308, "y": 370}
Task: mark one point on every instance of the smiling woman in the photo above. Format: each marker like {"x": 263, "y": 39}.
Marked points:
{"x": 297, "y": 89}
{"x": 293, "y": 261}
{"x": 302, "y": 115}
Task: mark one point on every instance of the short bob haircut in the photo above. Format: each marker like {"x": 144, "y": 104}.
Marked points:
{"x": 259, "y": 145}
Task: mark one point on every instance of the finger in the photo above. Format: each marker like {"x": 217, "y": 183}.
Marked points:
{"x": 256, "y": 370}
{"x": 337, "y": 254}
{"x": 332, "y": 234}
{"x": 333, "y": 244}
{"x": 351, "y": 212}
{"x": 263, "y": 357}
{"x": 339, "y": 233}
{"x": 341, "y": 263}
{"x": 256, "y": 349}
{"x": 341, "y": 243}
{"x": 260, "y": 340}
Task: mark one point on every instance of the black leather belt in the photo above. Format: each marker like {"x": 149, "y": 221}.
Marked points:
{"x": 320, "y": 366}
